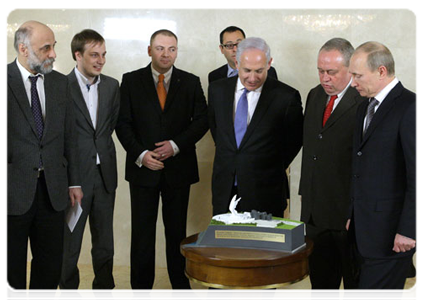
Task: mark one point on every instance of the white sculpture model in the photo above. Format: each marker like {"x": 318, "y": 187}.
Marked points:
{"x": 233, "y": 204}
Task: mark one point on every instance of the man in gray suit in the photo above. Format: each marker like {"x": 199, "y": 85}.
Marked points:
{"x": 41, "y": 155}
{"x": 96, "y": 101}
{"x": 326, "y": 167}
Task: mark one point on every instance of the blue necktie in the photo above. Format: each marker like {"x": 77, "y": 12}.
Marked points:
{"x": 36, "y": 107}
{"x": 241, "y": 115}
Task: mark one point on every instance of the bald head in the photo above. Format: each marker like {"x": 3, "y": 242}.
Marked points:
{"x": 34, "y": 43}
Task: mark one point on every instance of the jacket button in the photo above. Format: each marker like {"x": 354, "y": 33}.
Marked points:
{"x": 359, "y": 153}
{"x": 320, "y": 136}
{"x": 314, "y": 157}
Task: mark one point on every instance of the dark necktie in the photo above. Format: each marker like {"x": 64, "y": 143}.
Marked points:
{"x": 36, "y": 107}
{"x": 329, "y": 108}
{"x": 241, "y": 115}
{"x": 370, "y": 113}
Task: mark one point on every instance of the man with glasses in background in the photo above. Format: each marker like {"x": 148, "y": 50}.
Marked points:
{"x": 230, "y": 37}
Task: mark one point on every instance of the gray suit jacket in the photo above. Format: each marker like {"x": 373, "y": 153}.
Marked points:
{"x": 57, "y": 146}
{"x": 91, "y": 141}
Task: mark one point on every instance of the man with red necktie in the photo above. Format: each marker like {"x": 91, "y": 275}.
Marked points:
{"x": 326, "y": 167}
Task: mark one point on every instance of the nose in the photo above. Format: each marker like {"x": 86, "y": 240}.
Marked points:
{"x": 353, "y": 82}
{"x": 102, "y": 60}
{"x": 326, "y": 77}
{"x": 52, "y": 53}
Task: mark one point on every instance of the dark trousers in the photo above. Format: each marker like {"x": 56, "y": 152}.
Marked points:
{"x": 384, "y": 273}
{"x": 218, "y": 294}
{"x": 43, "y": 226}
{"x": 332, "y": 259}
{"x": 98, "y": 206}
{"x": 144, "y": 209}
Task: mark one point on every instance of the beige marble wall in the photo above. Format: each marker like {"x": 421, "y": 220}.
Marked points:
{"x": 293, "y": 35}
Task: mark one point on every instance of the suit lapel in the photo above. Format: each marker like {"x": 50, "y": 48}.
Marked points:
{"x": 175, "y": 83}
{"x": 78, "y": 98}
{"x": 260, "y": 111}
{"x": 387, "y": 104}
{"x": 149, "y": 89}
{"x": 347, "y": 101}
{"x": 103, "y": 96}
{"x": 228, "y": 108}
{"x": 17, "y": 86}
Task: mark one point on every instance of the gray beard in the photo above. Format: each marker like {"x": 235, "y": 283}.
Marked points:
{"x": 35, "y": 64}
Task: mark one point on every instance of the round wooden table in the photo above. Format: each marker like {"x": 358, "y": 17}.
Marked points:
{"x": 236, "y": 268}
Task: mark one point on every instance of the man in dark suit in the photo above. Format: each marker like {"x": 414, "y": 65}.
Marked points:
{"x": 96, "y": 101}
{"x": 383, "y": 210}
{"x": 251, "y": 161}
{"x": 159, "y": 130}
{"x": 326, "y": 167}
{"x": 230, "y": 37}
{"x": 41, "y": 159}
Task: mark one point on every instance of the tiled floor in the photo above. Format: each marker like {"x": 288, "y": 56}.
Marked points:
{"x": 162, "y": 289}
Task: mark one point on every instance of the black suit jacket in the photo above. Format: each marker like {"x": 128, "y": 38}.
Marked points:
{"x": 326, "y": 161}
{"x": 222, "y": 72}
{"x": 272, "y": 140}
{"x": 57, "y": 146}
{"x": 142, "y": 123}
{"x": 99, "y": 140}
{"x": 384, "y": 175}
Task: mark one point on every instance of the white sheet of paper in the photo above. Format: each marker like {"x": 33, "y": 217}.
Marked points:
{"x": 73, "y": 215}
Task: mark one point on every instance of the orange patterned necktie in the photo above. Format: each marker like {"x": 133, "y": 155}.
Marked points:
{"x": 161, "y": 91}
{"x": 329, "y": 109}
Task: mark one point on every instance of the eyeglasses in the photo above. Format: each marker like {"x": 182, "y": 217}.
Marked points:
{"x": 229, "y": 46}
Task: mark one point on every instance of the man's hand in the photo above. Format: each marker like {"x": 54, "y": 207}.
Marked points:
{"x": 152, "y": 161}
{"x": 75, "y": 194}
{"x": 164, "y": 150}
{"x": 403, "y": 243}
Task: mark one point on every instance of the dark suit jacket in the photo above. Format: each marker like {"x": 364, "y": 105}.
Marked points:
{"x": 142, "y": 123}
{"x": 91, "y": 141}
{"x": 272, "y": 140}
{"x": 222, "y": 72}
{"x": 384, "y": 175}
{"x": 57, "y": 146}
{"x": 326, "y": 162}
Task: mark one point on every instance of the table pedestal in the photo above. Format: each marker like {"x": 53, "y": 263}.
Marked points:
{"x": 236, "y": 268}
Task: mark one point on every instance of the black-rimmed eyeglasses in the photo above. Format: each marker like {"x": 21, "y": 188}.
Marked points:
{"x": 229, "y": 46}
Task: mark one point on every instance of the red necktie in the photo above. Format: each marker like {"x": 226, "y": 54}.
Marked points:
{"x": 161, "y": 91}
{"x": 329, "y": 109}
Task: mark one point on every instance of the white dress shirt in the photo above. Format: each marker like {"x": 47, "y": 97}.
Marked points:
{"x": 252, "y": 99}
{"x": 340, "y": 95}
{"x": 382, "y": 95}
{"x": 90, "y": 94}
{"x": 40, "y": 86}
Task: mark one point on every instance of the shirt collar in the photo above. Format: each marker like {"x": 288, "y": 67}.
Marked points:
{"x": 25, "y": 73}
{"x": 240, "y": 86}
{"x": 231, "y": 70}
{"x": 385, "y": 91}
{"x": 156, "y": 74}
{"x": 83, "y": 80}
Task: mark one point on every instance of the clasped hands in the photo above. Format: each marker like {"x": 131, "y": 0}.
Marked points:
{"x": 154, "y": 159}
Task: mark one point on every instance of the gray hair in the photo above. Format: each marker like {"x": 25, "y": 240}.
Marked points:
{"x": 378, "y": 55}
{"x": 342, "y": 45}
{"x": 23, "y": 36}
{"x": 253, "y": 43}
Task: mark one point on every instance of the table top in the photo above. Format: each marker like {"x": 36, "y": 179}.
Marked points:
{"x": 213, "y": 265}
